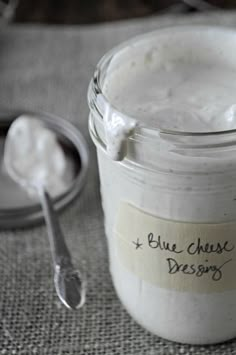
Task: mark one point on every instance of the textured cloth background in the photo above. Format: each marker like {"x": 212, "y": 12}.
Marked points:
{"x": 49, "y": 68}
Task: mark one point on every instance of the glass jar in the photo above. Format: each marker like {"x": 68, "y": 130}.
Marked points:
{"x": 169, "y": 201}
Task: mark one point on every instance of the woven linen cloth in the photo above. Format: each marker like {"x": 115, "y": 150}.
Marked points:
{"x": 49, "y": 68}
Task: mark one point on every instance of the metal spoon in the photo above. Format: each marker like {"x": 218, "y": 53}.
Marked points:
{"x": 70, "y": 286}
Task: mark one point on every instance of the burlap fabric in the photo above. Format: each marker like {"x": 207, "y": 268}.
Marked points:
{"x": 49, "y": 68}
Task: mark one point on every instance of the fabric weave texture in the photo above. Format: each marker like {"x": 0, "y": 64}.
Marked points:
{"x": 49, "y": 68}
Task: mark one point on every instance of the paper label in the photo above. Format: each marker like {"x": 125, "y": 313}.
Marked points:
{"x": 175, "y": 255}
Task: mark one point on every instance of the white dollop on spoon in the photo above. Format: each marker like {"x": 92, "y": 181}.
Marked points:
{"x": 33, "y": 157}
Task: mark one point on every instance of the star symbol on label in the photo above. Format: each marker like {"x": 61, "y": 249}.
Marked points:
{"x": 138, "y": 244}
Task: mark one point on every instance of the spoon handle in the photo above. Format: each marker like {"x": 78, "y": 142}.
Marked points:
{"x": 68, "y": 283}
{"x": 59, "y": 250}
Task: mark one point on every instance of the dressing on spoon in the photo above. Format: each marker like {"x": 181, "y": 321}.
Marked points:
{"x": 32, "y": 153}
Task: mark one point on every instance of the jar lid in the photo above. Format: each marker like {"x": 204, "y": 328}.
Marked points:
{"x": 17, "y": 209}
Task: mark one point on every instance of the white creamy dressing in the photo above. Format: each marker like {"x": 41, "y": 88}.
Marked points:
{"x": 117, "y": 129}
{"x": 183, "y": 97}
{"x": 183, "y": 80}
{"x": 34, "y": 158}
{"x": 186, "y": 97}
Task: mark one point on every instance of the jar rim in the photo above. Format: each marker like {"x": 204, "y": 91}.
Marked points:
{"x": 95, "y": 87}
